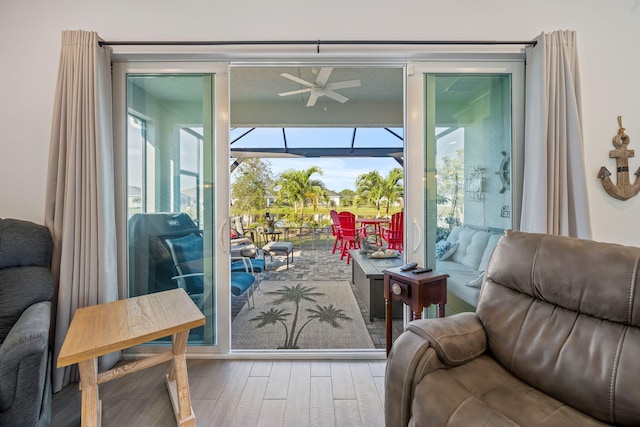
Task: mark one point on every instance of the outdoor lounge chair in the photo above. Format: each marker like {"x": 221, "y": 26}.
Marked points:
{"x": 255, "y": 266}
{"x": 187, "y": 254}
{"x": 242, "y": 241}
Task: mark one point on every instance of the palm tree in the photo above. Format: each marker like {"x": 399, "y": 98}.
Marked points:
{"x": 294, "y": 294}
{"x": 392, "y": 189}
{"x": 369, "y": 189}
{"x": 296, "y": 186}
{"x": 327, "y": 314}
{"x": 297, "y": 294}
{"x": 270, "y": 317}
{"x": 317, "y": 195}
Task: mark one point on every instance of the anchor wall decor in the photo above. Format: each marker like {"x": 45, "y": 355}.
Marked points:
{"x": 623, "y": 190}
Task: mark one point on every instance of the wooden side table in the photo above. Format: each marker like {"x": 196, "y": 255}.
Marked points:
{"x": 105, "y": 328}
{"x": 415, "y": 290}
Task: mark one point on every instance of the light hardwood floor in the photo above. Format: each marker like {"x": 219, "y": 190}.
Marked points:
{"x": 230, "y": 393}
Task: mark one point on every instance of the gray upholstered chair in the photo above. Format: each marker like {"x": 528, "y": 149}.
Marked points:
{"x": 555, "y": 341}
{"x": 26, "y": 287}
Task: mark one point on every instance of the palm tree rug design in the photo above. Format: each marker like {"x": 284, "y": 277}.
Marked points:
{"x": 307, "y": 315}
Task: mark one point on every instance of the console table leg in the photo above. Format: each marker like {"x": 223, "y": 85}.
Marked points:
{"x": 178, "y": 382}
{"x": 91, "y": 406}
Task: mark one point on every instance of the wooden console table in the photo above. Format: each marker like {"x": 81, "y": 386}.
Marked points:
{"x": 105, "y": 328}
{"x": 416, "y": 290}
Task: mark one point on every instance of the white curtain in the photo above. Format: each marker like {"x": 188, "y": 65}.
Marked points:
{"x": 80, "y": 205}
{"x": 554, "y": 190}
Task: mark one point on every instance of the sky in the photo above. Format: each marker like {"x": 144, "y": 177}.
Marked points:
{"x": 339, "y": 173}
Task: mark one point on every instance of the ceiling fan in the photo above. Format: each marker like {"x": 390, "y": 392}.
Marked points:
{"x": 320, "y": 87}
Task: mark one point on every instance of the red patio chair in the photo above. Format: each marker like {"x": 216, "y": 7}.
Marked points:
{"x": 350, "y": 234}
{"x": 394, "y": 234}
{"x": 335, "y": 230}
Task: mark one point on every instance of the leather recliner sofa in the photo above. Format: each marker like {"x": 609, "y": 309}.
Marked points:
{"x": 555, "y": 341}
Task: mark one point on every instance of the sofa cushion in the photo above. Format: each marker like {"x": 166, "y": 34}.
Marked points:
{"x": 454, "y": 234}
{"x": 486, "y": 255}
{"x": 471, "y": 246}
{"x": 459, "y": 276}
{"x": 482, "y": 392}
{"x": 24, "y": 243}
{"x": 20, "y": 287}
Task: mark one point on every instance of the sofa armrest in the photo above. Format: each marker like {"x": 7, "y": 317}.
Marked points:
{"x": 23, "y": 364}
{"x": 427, "y": 345}
{"x": 456, "y": 339}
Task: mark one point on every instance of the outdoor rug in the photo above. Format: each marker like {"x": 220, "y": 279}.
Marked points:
{"x": 301, "y": 315}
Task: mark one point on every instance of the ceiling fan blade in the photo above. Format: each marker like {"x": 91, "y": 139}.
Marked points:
{"x": 323, "y": 76}
{"x": 312, "y": 100}
{"x": 296, "y": 79}
{"x": 335, "y": 95}
{"x": 343, "y": 85}
{"x": 295, "y": 92}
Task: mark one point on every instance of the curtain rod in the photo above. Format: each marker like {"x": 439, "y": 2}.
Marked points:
{"x": 317, "y": 43}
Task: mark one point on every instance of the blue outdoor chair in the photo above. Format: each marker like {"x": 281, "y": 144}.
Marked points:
{"x": 254, "y": 266}
{"x": 187, "y": 254}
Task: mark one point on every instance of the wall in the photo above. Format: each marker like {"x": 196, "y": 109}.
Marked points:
{"x": 30, "y": 33}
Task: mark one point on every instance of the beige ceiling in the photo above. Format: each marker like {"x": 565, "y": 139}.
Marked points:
{"x": 255, "y": 102}
{"x": 377, "y": 103}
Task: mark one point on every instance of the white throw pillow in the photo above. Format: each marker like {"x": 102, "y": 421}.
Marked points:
{"x": 477, "y": 282}
{"x": 449, "y": 252}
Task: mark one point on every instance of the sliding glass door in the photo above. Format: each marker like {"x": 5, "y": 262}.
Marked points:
{"x": 171, "y": 207}
{"x": 462, "y": 162}
{"x": 467, "y": 135}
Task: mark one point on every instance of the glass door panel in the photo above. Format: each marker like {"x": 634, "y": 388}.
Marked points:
{"x": 469, "y": 140}
{"x": 170, "y": 166}
{"x": 465, "y": 127}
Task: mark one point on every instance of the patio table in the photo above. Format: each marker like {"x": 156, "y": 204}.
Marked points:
{"x": 377, "y": 226}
